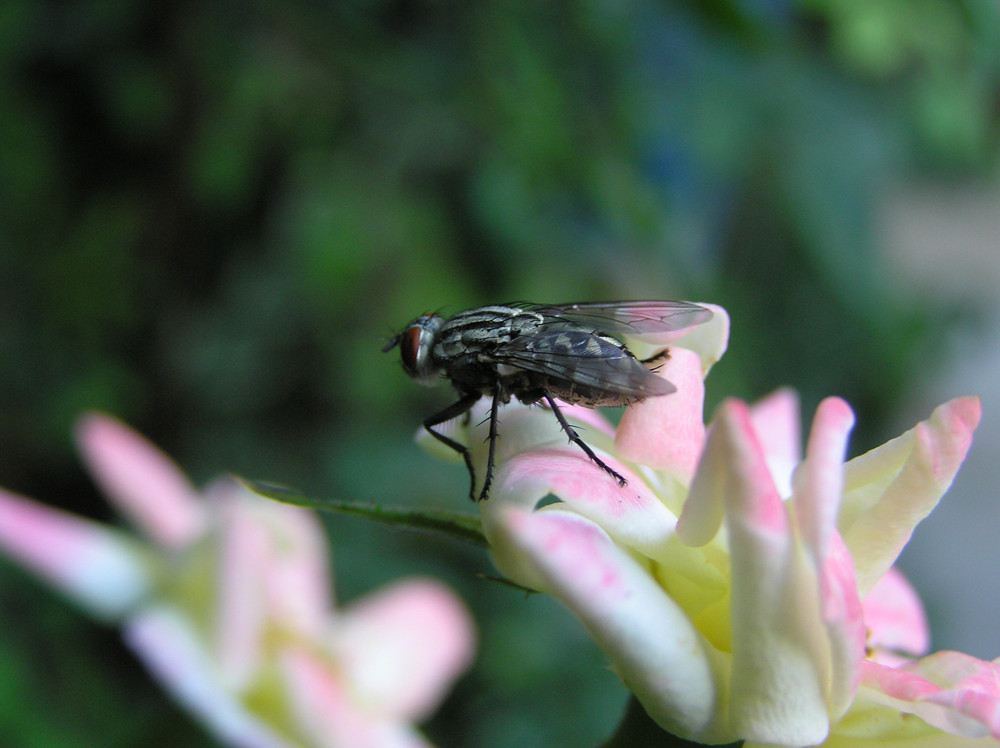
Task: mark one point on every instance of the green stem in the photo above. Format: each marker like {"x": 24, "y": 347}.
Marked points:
{"x": 460, "y": 525}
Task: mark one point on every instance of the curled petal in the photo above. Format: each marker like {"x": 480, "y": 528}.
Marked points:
{"x": 668, "y": 432}
{"x": 142, "y": 481}
{"x": 892, "y": 488}
{"x": 653, "y": 645}
{"x": 949, "y": 690}
{"x": 102, "y": 569}
{"x": 709, "y": 340}
{"x": 403, "y": 646}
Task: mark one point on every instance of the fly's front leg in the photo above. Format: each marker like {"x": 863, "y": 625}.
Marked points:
{"x": 453, "y": 411}
{"x": 657, "y": 358}
{"x": 575, "y": 438}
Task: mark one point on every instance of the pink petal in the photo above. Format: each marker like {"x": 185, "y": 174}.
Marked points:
{"x": 652, "y": 644}
{"x": 950, "y": 690}
{"x": 972, "y": 688}
{"x": 141, "y": 481}
{"x": 240, "y": 603}
{"x": 843, "y": 617}
{"x": 892, "y": 488}
{"x": 819, "y": 483}
{"x": 667, "y": 432}
{"x": 817, "y": 488}
{"x": 632, "y": 515}
{"x": 780, "y": 665}
{"x": 402, "y": 647}
{"x": 895, "y": 617}
{"x": 102, "y": 569}
{"x": 325, "y": 711}
{"x": 171, "y": 650}
{"x": 587, "y": 419}
{"x": 273, "y": 571}
{"x": 775, "y": 420}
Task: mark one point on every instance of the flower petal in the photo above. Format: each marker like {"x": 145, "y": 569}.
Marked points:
{"x": 521, "y": 428}
{"x": 103, "y": 570}
{"x": 819, "y": 482}
{"x": 653, "y": 645}
{"x": 780, "y": 661}
{"x": 709, "y": 340}
{"x": 240, "y": 614}
{"x": 668, "y": 432}
{"x": 403, "y": 646}
{"x": 843, "y": 617}
{"x": 142, "y": 481}
{"x": 775, "y": 420}
{"x": 170, "y": 648}
{"x": 632, "y": 515}
{"x": 895, "y": 619}
{"x": 949, "y": 690}
{"x": 817, "y": 487}
{"x": 324, "y": 708}
{"x": 892, "y": 488}
{"x": 273, "y": 569}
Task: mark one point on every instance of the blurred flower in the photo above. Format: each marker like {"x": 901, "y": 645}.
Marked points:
{"x": 227, "y": 602}
{"x": 741, "y": 591}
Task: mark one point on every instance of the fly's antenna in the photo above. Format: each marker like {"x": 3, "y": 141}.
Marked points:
{"x": 391, "y": 343}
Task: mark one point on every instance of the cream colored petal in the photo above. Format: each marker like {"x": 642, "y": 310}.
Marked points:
{"x": 889, "y": 490}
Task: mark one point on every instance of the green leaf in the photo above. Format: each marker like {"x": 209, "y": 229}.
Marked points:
{"x": 460, "y": 525}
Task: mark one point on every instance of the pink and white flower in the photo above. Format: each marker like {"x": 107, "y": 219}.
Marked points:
{"x": 226, "y": 598}
{"x": 741, "y": 590}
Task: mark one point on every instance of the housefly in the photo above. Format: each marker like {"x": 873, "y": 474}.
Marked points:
{"x": 538, "y": 352}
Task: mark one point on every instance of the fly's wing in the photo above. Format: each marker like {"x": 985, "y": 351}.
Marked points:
{"x": 651, "y": 321}
{"x": 581, "y": 358}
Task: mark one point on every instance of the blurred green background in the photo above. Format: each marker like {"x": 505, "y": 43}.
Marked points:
{"x": 213, "y": 214}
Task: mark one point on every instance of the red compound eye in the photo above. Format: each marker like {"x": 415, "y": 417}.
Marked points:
{"x": 409, "y": 347}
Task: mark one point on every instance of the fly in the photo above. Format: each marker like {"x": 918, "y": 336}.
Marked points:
{"x": 537, "y": 352}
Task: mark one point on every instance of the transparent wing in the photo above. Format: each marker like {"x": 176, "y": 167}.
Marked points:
{"x": 584, "y": 359}
{"x": 634, "y": 318}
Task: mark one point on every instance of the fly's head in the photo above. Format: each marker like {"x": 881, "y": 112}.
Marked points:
{"x": 415, "y": 343}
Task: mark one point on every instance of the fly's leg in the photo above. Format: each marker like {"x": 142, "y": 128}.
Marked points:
{"x": 658, "y": 358}
{"x": 453, "y": 411}
{"x": 575, "y": 438}
{"x": 493, "y": 441}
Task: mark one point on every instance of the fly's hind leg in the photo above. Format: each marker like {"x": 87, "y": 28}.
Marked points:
{"x": 493, "y": 441}
{"x": 575, "y": 438}
{"x": 453, "y": 411}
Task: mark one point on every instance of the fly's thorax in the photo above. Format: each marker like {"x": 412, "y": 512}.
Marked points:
{"x": 416, "y": 343}
{"x": 468, "y": 334}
